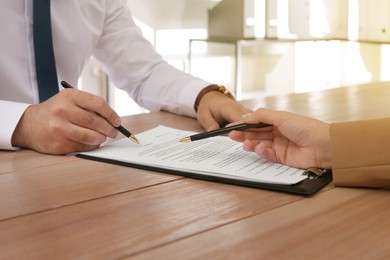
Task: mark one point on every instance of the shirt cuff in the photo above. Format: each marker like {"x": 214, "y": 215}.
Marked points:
{"x": 188, "y": 95}
{"x": 8, "y": 122}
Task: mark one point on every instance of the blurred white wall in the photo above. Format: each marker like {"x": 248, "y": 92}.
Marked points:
{"x": 268, "y": 67}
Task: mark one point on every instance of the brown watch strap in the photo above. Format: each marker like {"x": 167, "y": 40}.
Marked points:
{"x": 214, "y": 87}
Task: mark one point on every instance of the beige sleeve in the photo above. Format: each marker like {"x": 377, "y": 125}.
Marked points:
{"x": 361, "y": 153}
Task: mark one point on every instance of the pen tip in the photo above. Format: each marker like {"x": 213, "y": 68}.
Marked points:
{"x": 185, "y": 140}
{"x": 134, "y": 139}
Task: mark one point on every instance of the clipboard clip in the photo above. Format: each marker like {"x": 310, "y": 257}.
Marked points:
{"x": 314, "y": 173}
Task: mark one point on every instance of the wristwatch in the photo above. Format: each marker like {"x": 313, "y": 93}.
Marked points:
{"x": 214, "y": 87}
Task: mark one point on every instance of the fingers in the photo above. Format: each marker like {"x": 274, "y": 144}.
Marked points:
{"x": 250, "y": 145}
{"x": 92, "y": 121}
{"x": 91, "y": 118}
{"x": 94, "y": 104}
{"x": 216, "y": 109}
{"x": 263, "y": 149}
{"x": 84, "y": 136}
{"x": 90, "y": 111}
{"x": 61, "y": 148}
{"x": 266, "y": 151}
{"x": 206, "y": 119}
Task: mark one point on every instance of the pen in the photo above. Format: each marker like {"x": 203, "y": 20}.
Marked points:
{"x": 220, "y": 131}
{"x": 120, "y": 128}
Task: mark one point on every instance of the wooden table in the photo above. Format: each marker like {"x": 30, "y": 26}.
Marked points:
{"x": 63, "y": 207}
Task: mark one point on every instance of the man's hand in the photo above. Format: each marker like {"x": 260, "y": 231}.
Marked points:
{"x": 215, "y": 109}
{"x": 71, "y": 121}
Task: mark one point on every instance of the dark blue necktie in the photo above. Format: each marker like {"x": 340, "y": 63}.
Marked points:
{"x": 43, "y": 49}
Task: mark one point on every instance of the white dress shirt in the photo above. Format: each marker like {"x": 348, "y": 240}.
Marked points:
{"x": 103, "y": 29}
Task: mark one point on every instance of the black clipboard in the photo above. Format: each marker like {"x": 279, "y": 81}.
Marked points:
{"x": 317, "y": 179}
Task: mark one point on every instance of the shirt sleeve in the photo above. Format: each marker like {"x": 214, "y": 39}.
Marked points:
{"x": 11, "y": 114}
{"x": 361, "y": 153}
{"x": 133, "y": 65}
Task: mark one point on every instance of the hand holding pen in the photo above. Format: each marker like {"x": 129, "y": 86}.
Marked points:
{"x": 70, "y": 121}
{"x": 120, "y": 128}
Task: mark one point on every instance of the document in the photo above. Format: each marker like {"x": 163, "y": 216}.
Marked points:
{"x": 216, "y": 156}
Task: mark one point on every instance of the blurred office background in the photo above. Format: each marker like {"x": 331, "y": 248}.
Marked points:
{"x": 262, "y": 47}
